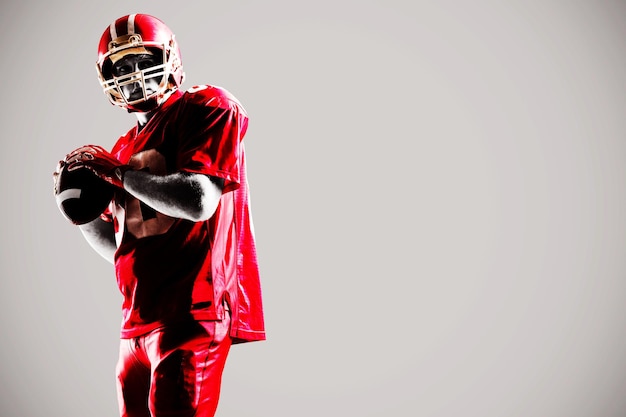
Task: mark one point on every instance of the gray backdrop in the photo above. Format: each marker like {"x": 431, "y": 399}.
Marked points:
{"x": 438, "y": 195}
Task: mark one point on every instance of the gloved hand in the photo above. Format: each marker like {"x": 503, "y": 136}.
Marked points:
{"x": 99, "y": 161}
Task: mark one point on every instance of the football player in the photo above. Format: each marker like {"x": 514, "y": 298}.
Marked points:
{"x": 178, "y": 229}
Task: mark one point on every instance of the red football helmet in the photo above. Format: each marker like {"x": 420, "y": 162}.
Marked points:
{"x": 137, "y": 34}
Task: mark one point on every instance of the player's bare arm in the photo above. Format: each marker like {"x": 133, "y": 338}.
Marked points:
{"x": 182, "y": 195}
{"x": 101, "y": 237}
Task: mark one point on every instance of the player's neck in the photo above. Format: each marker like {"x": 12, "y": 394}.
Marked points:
{"x": 142, "y": 119}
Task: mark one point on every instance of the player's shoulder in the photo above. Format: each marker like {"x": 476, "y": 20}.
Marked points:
{"x": 210, "y": 95}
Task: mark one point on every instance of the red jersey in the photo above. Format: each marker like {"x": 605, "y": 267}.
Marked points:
{"x": 169, "y": 269}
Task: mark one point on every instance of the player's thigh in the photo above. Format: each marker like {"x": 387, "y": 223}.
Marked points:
{"x": 133, "y": 382}
{"x": 186, "y": 380}
{"x": 212, "y": 360}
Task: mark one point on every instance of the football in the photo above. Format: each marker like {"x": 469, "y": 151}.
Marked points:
{"x": 81, "y": 195}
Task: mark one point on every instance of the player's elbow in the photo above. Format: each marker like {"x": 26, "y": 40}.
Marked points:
{"x": 202, "y": 211}
{"x": 207, "y": 195}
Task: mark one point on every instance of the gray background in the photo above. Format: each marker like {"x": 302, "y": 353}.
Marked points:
{"x": 437, "y": 188}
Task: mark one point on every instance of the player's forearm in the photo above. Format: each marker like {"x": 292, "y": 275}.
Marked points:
{"x": 182, "y": 195}
{"x": 101, "y": 237}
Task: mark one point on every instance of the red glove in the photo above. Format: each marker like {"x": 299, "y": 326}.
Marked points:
{"x": 99, "y": 161}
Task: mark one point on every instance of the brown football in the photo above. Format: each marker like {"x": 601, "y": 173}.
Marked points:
{"x": 81, "y": 195}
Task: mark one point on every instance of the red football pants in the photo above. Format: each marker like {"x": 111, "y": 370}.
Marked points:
{"x": 174, "y": 371}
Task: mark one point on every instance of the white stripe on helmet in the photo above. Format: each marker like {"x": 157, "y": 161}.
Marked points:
{"x": 130, "y": 27}
{"x": 113, "y": 31}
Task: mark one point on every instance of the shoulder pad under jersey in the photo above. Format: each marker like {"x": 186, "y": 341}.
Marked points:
{"x": 210, "y": 95}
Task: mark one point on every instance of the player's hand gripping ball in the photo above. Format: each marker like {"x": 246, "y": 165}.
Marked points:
{"x": 99, "y": 161}
{"x": 80, "y": 194}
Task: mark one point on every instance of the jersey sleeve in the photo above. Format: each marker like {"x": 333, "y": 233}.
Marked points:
{"x": 210, "y": 142}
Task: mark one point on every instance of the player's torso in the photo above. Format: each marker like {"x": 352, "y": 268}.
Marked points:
{"x": 148, "y": 151}
{"x": 156, "y": 149}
